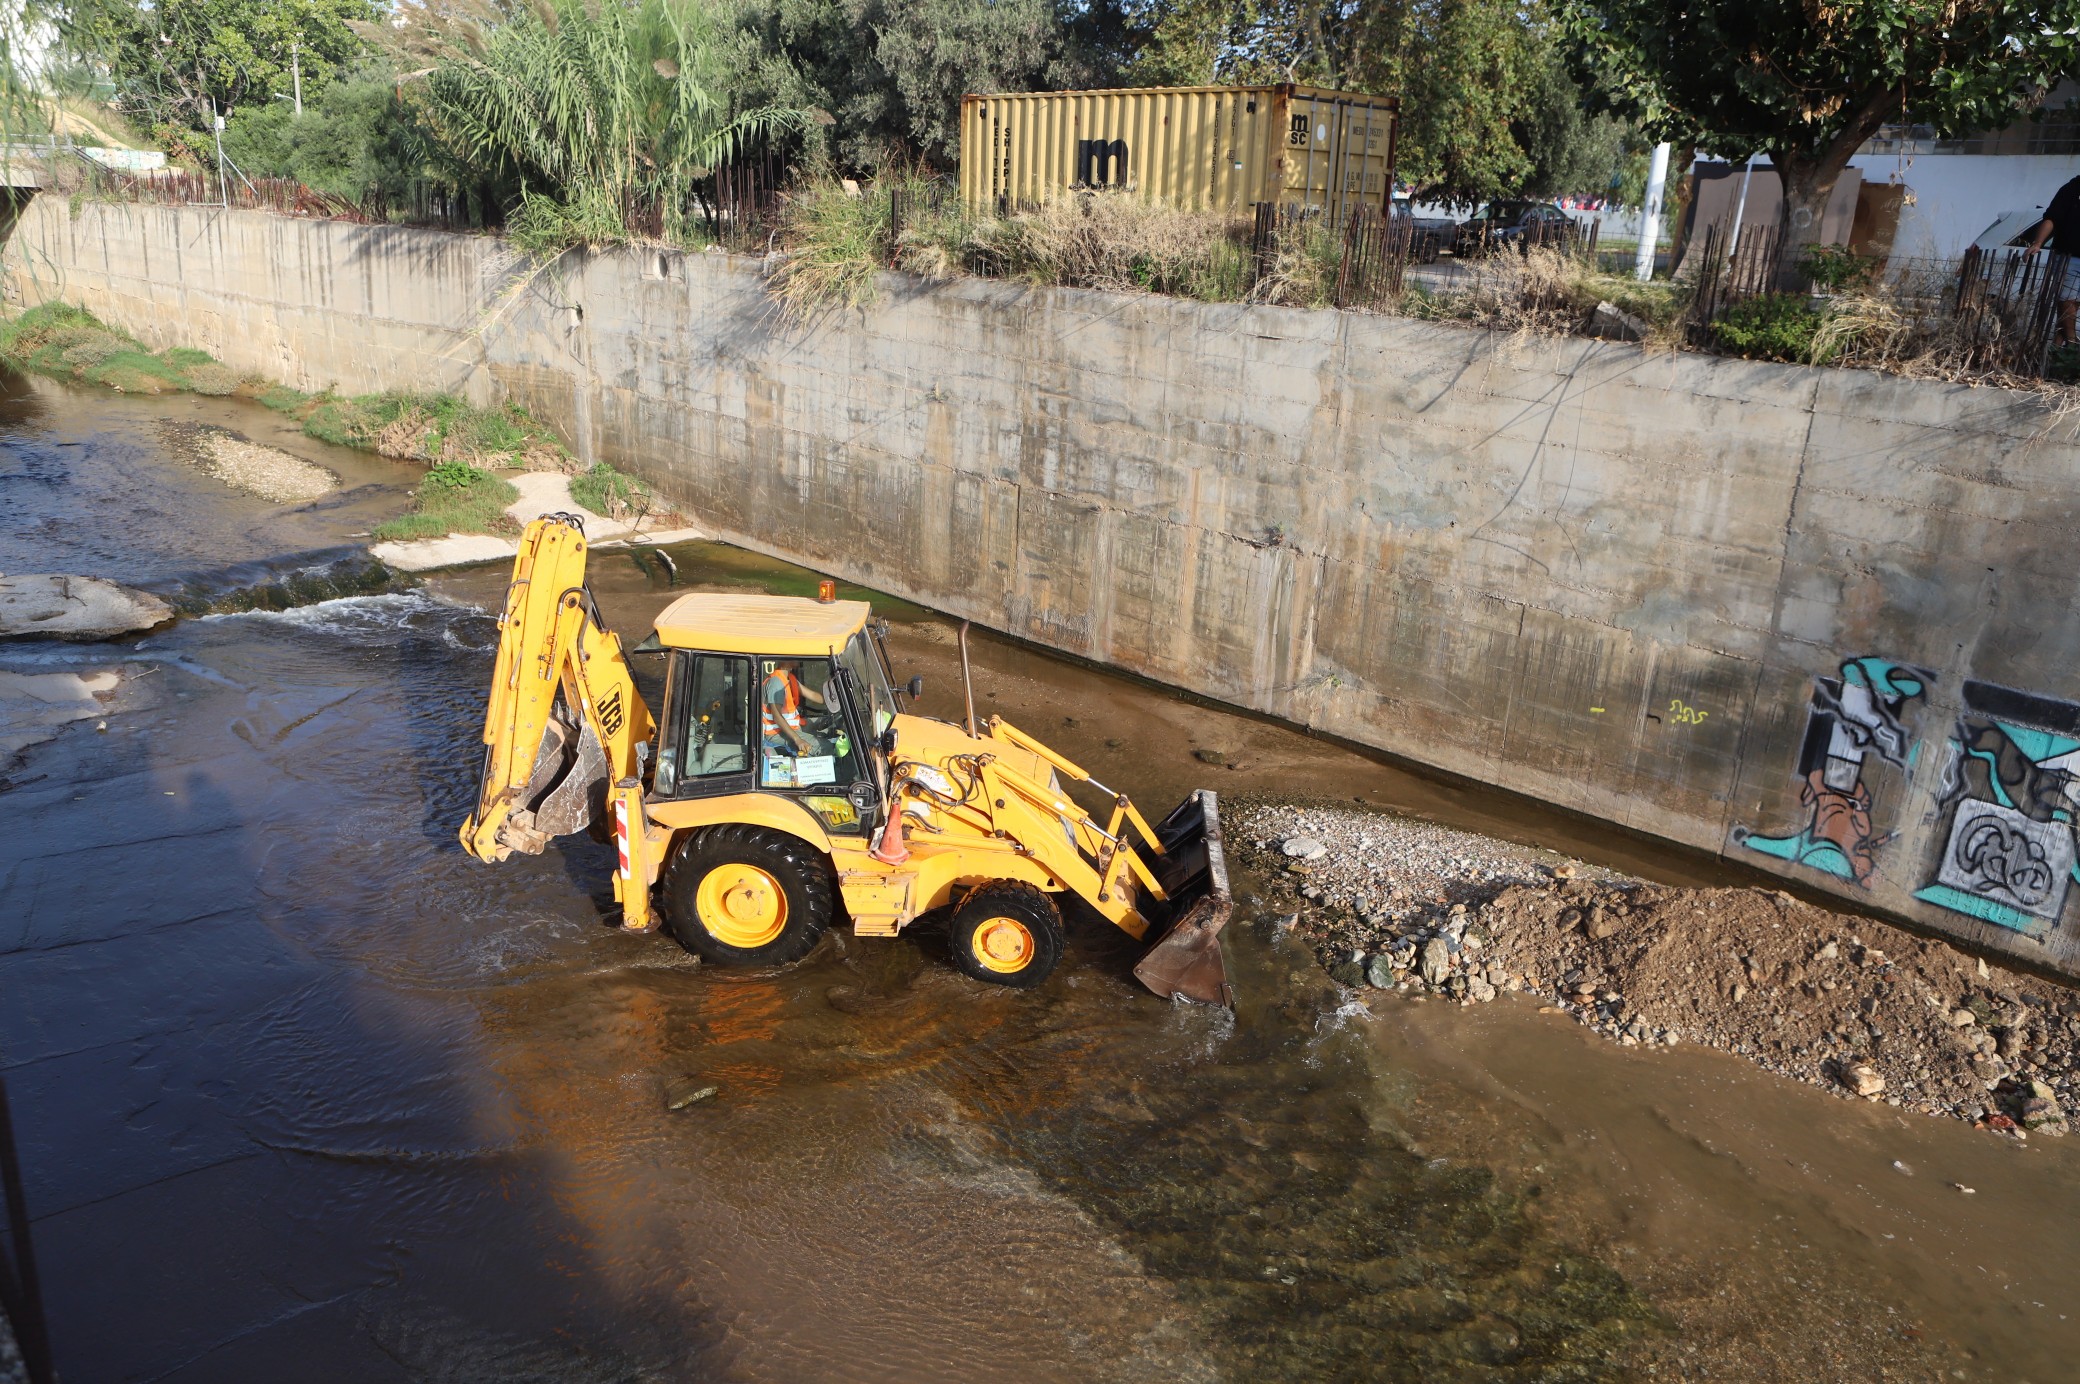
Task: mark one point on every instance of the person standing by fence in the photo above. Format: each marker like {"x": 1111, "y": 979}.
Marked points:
{"x": 2061, "y": 227}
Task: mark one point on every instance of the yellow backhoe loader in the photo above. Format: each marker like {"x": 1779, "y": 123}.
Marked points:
{"x": 781, "y": 781}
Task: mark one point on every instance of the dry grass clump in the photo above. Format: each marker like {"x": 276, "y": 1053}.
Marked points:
{"x": 1910, "y": 325}
{"x": 1301, "y": 272}
{"x": 214, "y": 378}
{"x": 1114, "y": 241}
{"x": 96, "y": 350}
{"x": 835, "y": 241}
{"x": 1547, "y": 290}
{"x": 409, "y": 436}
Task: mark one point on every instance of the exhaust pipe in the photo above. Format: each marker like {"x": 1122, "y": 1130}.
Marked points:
{"x": 967, "y": 681}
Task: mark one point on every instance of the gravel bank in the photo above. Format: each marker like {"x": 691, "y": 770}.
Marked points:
{"x": 268, "y": 472}
{"x": 1850, "y": 1004}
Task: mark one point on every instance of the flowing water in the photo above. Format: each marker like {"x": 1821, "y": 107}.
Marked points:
{"x": 302, "y": 1092}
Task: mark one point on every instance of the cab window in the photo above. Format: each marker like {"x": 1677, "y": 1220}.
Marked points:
{"x": 867, "y": 675}
{"x": 712, "y": 737}
{"x": 805, "y": 739}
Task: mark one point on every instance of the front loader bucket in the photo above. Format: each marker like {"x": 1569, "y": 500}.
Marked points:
{"x": 1185, "y": 963}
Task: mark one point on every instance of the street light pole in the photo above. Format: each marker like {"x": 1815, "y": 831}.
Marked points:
{"x": 296, "y": 74}
{"x": 1650, "y": 215}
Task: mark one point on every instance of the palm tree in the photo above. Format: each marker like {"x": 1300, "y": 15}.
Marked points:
{"x": 604, "y": 114}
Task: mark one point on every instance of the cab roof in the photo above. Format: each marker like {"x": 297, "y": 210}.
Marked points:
{"x": 735, "y": 623}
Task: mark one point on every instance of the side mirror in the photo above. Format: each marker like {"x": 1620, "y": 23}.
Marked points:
{"x": 863, "y": 795}
{"x": 916, "y": 688}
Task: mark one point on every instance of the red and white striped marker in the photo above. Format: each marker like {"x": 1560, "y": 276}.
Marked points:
{"x": 621, "y": 833}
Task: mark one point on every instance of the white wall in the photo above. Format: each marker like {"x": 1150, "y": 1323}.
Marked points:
{"x": 1956, "y": 196}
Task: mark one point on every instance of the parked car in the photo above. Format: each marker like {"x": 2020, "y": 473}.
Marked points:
{"x": 2009, "y": 235}
{"x": 1514, "y": 225}
{"x": 1432, "y": 235}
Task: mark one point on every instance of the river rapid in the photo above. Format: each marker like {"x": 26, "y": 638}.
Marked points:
{"x": 302, "y": 1092}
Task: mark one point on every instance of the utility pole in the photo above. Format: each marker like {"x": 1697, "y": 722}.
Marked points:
{"x": 296, "y": 74}
{"x": 1650, "y": 215}
{"x": 217, "y": 131}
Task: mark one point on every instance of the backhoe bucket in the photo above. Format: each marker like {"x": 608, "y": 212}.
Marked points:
{"x": 1185, "y": 963}
{"x": 566, "y": 791}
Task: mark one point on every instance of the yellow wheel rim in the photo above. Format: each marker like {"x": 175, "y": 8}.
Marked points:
{"x": 1004, "y": 945}
{"x": 741, "y": 905}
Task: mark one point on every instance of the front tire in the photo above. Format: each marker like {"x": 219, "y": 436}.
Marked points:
{"x": 1007, "y": 934}
{"x": 747, "y": 896}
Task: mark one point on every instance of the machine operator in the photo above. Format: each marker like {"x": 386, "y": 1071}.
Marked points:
{"x": 780, "y": 699}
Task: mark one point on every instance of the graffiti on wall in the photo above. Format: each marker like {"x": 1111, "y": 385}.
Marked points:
{"x": 2008, "y": 804}
{"x": 1854, "y": 720}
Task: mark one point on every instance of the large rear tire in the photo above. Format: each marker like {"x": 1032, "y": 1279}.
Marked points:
{"x": 747, "y": 896}
{"x": 1007, "y": 934}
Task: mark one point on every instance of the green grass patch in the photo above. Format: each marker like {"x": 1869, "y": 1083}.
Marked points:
{"x": 434, "y": 428}
{"x": 603, "y": 490}
{"x": 1774, "y": 326}
{"x": 281, "y": 398}
{"x": 455, "y": 497}
{"x": 462, "y": 443}
{"x": 1657, "y": 302}
{"x": 73, "y": 344}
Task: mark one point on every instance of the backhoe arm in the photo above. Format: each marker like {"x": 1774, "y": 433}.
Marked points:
{"x": 552, "y": 767}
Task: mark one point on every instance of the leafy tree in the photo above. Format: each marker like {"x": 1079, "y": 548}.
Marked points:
{"x": 1808, "y": 83}
{"x": 1487, "y": 108}
{"x": 1465, "y": 70}
{"x": 892, "y": 72}
{"x": 1572, "y": 151}
{"x": 171, "y": 59}
{"x": 357, "y": 141}
{"x": 590, "y": 113}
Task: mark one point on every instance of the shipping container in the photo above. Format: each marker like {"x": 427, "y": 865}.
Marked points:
{"x": 1201, "y": 148}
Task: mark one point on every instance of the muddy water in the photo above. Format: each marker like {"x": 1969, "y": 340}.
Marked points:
{"x": 304, "y": 1093}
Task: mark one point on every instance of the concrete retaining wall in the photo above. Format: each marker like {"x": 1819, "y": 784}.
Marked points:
{"x": 1822, "y": 621}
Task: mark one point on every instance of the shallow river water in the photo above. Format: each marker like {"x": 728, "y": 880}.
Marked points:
{"x": 302, "y": 1092}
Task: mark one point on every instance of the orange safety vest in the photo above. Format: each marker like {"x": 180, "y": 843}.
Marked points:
{"x": 790, "y": 715}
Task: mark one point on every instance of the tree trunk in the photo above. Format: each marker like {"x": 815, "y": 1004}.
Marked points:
{"x": 1808, "y": 187}
{"x": 1686, "y": 193}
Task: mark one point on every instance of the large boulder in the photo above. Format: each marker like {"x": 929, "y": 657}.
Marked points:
{"x": 49, "y": 606}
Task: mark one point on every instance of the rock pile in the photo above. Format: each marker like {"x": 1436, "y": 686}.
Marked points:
{"x": 1847, "y": 1003}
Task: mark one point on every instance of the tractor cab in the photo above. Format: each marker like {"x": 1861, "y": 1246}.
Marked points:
{"x": 774, "y": 694}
